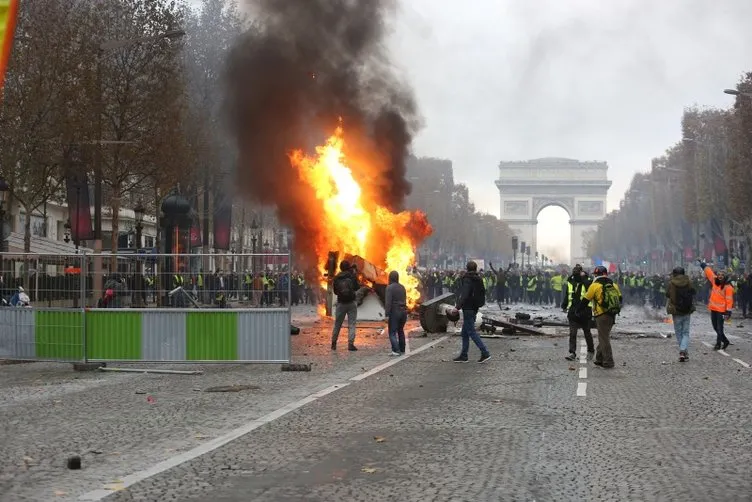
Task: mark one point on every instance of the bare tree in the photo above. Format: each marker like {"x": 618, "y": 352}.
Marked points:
{"x": 36, "y": 123}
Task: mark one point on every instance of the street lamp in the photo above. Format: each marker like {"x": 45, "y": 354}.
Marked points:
{"x": 734, "y": 92}
{"x": 139, "y": 211}
{"x": 4, "y": 189}
{"x": 515, "y": 243}
{"x": 522, "y": 254}
{"x": 254, "y": 240}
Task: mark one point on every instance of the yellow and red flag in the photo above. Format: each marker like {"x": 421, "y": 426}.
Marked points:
{"x": 8, "y": 14}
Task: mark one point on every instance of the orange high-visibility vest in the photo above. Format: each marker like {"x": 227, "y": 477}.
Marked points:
{"x": 721, "y": 298}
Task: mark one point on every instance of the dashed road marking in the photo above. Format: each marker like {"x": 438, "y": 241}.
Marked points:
{"x": 234, "y": 434}
{"x": 724, "y": 353}
{"x": 746, "y": 365}
{"x": 582, "y": 389}
{"x": 582, "y": 386}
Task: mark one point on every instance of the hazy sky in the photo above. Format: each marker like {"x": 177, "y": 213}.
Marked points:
{"x": 585, "y": 79}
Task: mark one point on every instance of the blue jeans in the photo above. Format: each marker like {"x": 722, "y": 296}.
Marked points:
{"x": 396, "y": 328}
{"x": 468, "y": 332}
{"x": 681, "y": 330}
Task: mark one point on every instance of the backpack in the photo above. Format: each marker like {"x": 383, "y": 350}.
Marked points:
{"x": 479, "y": 294}
{"x": 684, "y": 300}
{"x": 343, "y": 288}
{"x": 610, "y": 299}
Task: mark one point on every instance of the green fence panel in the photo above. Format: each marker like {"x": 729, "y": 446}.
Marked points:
{"x": 59, "y": 334}
{"x": 113, "y": 335}
{"x": 211, "y": 336}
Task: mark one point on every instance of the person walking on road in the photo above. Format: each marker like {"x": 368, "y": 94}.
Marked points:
{"x": 720, "y": 303}
{"x": 345, "y": 287}
{"x": 578, "y": 310}
{"x": 395, "y": 308}
{"x": 472, "y": 296}
{"x": 606, "y": 299}
{"x": 680, "y": 305}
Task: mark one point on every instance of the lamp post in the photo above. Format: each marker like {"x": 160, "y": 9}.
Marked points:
{"x": 515, "y": 243}
{"x": 139, "y": 211}
{"x": 522, "y": 254}
{"x": 4, "y": 189}
{"x": 254, "y": 241}
{"x": 527, "y": 250}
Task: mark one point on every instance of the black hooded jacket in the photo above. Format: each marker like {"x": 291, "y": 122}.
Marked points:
{"x": 469, "y": 283}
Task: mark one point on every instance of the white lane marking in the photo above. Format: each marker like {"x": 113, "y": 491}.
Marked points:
{"x": 583, "y": 359}
{"x": 582, "y": 389}
{"x": 382, "y": 367}
{"x": 234, "y": 434}
{"x": 407, "y": 344}
{"x": 746, "y": 365}
{"x": 583, "y": 349}
{"x": 583, "y": 372}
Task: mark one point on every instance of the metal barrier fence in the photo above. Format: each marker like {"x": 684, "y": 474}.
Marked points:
{"x": 147, "y": 307}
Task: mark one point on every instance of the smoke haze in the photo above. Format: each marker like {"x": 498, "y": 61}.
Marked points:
{"x": 290, "y": 79}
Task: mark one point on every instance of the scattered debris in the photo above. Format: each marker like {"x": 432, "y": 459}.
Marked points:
{"x": 296, "y": 367}
{"x": 151, "y": 399}
{"x": 572, "y": 367}
{"x": 74, "y": 462}
{"x": 60, "y": 493}
{"x": 294, "y": 330}
{"x": 232, "y": 388}
{"x": 369, "y": 470}
{"x": 140, "y": 392}
{"x": 379, "y": 439}
{"x": 155, "y": 370}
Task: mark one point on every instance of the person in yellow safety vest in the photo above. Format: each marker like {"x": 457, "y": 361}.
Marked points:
{"x": 557, "y": 283}
{"x": 177, "y": 282}
{"x": 640, "y": 282}
{"x": 247, "y": 283}
{"x": 532, "y": 285}
{"x": 200, "y": 285}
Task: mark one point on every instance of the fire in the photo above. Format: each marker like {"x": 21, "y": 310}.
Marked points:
{"x": 353, "y": 223}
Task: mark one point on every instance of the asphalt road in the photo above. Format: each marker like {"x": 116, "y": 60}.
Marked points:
{"x": 526, "y": 426}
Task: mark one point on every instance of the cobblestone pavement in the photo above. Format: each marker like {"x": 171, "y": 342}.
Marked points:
{"x": 512, "y": 429}
{"x": 121, "y": 423}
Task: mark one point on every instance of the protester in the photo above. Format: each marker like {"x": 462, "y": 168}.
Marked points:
{"x": 345, "y": 287}
{"x": 578, "y": 310}
{"x": 606, "y": 299}
{"x": 472, "y": 296}
{"x": 680, "y": 305}
{"x": 395, "y": 309}
{"x": 720, "y": 303}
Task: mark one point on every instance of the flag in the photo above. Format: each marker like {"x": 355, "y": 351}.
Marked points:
{"x": 8, "y": 15}
{"x": 222, "y": 221}
{"x": 77, "y": 191}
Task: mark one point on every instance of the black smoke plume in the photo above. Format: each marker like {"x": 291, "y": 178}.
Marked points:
{"x": 303, "y": 67}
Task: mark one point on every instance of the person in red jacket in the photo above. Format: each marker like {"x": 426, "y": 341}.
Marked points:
{"x": 720, "y": 303}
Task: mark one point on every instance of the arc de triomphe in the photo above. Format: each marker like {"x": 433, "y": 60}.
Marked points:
{"x": 528, "y": 187}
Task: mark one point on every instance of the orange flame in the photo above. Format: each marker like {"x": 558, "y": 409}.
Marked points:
{"x": 352, "y": 223}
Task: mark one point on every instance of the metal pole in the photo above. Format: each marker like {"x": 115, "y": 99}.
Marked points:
{"x": 97, "y": 279}
{"x": 84, "y": 273}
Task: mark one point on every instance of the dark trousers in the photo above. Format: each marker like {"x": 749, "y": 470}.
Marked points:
{"x": 501, "y": 293}
{"x": 716, "y": 318}
{"x": 573, "y": 328}
{"x": 396, "y": 328}
{"x": 603, "y": 353}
